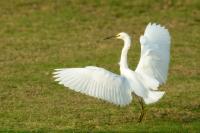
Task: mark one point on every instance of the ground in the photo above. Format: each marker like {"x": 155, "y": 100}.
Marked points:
{"x": 37, "y": 36}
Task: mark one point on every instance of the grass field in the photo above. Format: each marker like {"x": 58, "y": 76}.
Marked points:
{"x": 37, "y": 36}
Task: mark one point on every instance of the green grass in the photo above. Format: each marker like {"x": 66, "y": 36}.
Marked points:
{"x": 37, "y": 36}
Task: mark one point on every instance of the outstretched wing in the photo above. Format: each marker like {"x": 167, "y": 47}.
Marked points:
{"x": 96, "y": 82}
{"x": 155, "y": 52}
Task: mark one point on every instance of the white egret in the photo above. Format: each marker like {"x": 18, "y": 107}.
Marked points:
{"x": 151, "y": 72}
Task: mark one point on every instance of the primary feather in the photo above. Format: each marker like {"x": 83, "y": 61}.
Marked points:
{"x": 155, "y": 52}
{"x": 96, "y": 82}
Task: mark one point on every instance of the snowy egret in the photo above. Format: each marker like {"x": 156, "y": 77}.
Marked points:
{"x": 151, "y": 72}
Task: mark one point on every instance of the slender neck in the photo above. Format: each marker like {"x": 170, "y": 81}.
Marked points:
{"x": 123, "y": 61}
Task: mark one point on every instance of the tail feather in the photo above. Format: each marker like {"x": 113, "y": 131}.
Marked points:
{"x": 154, "y": 96}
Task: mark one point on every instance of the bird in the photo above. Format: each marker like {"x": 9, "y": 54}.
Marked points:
{"x": 119, "y": 89}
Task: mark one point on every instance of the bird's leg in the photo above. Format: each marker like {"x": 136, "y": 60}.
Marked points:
{"x": 142, "y": 113}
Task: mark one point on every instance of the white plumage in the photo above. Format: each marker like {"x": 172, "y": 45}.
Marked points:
{"x": 144, "y": 81}
{"x": 96, "y": 82}
{"x": 155, "y": 52}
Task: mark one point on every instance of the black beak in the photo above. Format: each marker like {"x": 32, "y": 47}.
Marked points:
{"x": 109, "y": 37}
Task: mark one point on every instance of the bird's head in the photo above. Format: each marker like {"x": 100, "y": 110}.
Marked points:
{"x": 121, "y": 35}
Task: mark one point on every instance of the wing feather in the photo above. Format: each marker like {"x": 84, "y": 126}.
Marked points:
{"x": 155, "y": 53}
{"x": 96, "y": 82}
